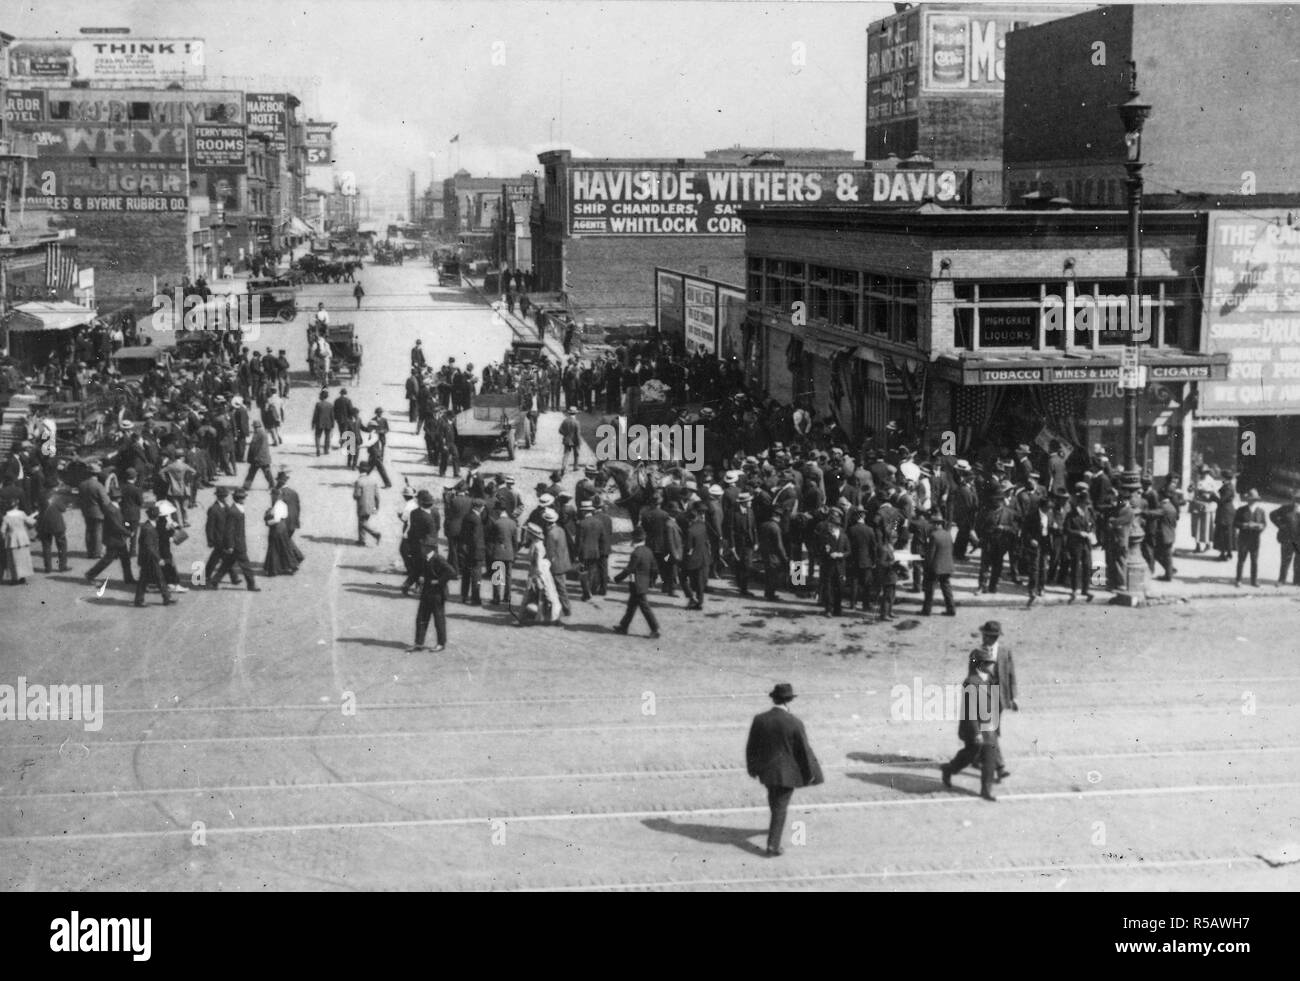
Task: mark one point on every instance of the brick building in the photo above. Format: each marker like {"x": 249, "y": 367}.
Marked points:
{"x": 606, "y": 224}
{"x": 968, "y": 322}
{"x": 935, "y": 75}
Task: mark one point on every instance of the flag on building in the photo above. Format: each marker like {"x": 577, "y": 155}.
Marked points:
{"x": 60, "y": 267}
{"x": 455, "y": 139}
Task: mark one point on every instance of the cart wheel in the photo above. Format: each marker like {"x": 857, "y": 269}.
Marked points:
{"x": 284, "y": 316}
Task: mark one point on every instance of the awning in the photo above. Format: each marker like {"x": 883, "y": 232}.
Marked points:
{"x": 1039, "y": 368}
{"x": 296, "y": 226}
{"x": 60, "y": 315}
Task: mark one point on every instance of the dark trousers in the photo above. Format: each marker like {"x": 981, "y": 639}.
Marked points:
{"x": 962, "y": 542}
{"x": 887, "y": 591}
{"x": 778, "y": 801}
{"x": 241, "y": 447}
{"x": 228, "y": 563}
{"x": 773, "y": 576}
{"x": 638, "y": 601}
{"x": 992, "y": 556}
{"x": 210, "y": 567}
{"x": 1033, "y": 559}
{"x": 1116, "y": 559}
{"x": 1080, "y": 562}
{"x": 1248, "y": 547}
{"x": 1164, "y": 554}
{"x": 600, "y": 584}
{"x": 693, "y": 583}
{"x": 253, "y": 470}
{"x": 665, "y": 571}
{"x": 833, "y": 589}
{"x": 985, "y": 755}
{"x": 93, "y": 528}
{"x": 501, "y": 584}
{"x": 742, "y": 569}
{"x": 377, "y": 464}
{"x": 565, "y": 459}
{"x": 113, "y": 552}
{"x": 448, "y": 454}
{"x": 1290, "y": 559}
{"x": 323, "y": 434}
{"x": 409, "y": 563}
{"x": 863, "y": 588}
{"x": 433, "y": 603}
{"x": 927, "y": 591}
{"x": 587, "y": 577}
{"x": 562, "y": 587}
{"x": 61, "y": 542}
{"x": 1058, "y": 569}
{"x": 151, "y": 572}
{"x": 471, "y": 583}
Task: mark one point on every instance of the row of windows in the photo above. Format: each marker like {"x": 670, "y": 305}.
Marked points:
{"x": 867, "y": 303}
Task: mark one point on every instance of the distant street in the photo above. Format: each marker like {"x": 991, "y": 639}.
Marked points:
{"x": 285, "y": 740}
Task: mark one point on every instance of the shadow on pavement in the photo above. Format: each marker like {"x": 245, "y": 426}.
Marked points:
{"x": 907, "y": 783}
{"x": 710, "y": 834}
{"x": 887, "y": 759}
{"x": 329, "y": 540}
{"x": 372, "y": 642}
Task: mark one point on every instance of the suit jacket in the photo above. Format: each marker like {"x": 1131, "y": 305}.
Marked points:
{"x": 1164, "y": 524}
{"x": 322, "y": 415}
{"x": 607, "y": 542}
{"x": 674, "y": 534}
{"x": 92, "y": 498}
{"x": 259, "y": 450}
{"x": 741, "y": 530}
{"x": 500, "y": 534}
{"x": 1250, "y": 522}
{"x": 50, "y": 524}
{"x": 655, "y": 522}
{"x": 833, "y": 542}
{"x": 778, "y": 753}
{"x": 640, "y": 567}
{"x": 473, "y": 546}
{"x": 1287, "y": 520}
{"x": 235, "y": 539}
{"x": 696, "y": 553}
{"x": 1004, "y": 675}
{"x": 864, "y": 545}
{"x": 150, "y": 543}
{"x": 591, "y": 539}
{"x": 557, "y": 550}
{"x": 771, "y": 546}
{"x": 569, "y": 432}
{"x": 215, "y": 527}
{"x": 365, "y": 491}
{"x": 342, "y": 411}
{"x": 132, "y": 502}
{"x": 114, "y": 526}
{"x": 420, "y": 525}
{"x": 938, "y": 552}
{"x": 458, "y": 508}
{"x": 979, "y": 713}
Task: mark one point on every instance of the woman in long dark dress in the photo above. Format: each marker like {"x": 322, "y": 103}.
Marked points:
{"x": 1223, "y": 515}
{"x": 280, "y": 559}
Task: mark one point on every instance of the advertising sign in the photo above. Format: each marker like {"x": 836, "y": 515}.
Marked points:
{"x": 732, "y": 310}
{"x": 119, "y": 203}
{"x": 682, "y": 201}
{"x": 269, "y": 113}
{"x": 701, "y": 317}
{"x": 100, "y": 140}
{"x": 24, "y": 105}
{"x": 1252, "y": 311}
{"x": 60, "y": 177}
{"x": 142, "y": 59}
{"x": 148, "y": 106}
{"x": 217, "y": 146}
{"x": 319, "y": 140}
{"x": 669, "y": 303}
{"x": 894, "y": 68}
{"x": 965, "y": 51}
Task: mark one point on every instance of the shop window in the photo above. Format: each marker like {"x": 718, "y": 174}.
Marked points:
{"x": 964, "y": 328}
{"x": 964, "y": 292}
{"x": 906, "y": 323}
{"x": 61, "y": 110}
{"x": 877, "y": 315}
{"x": 819, "y": 305}
{"x": 847, "y": 310}
{"x": 1009, "y": 291}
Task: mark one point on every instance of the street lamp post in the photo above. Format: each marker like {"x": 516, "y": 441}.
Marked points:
{"x": 1133, "y": 114}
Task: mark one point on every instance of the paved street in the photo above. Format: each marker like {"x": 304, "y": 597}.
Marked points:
{"x": 285, "y": 740}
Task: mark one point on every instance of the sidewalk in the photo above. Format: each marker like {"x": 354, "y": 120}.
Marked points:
{"x": 523, "y": 330}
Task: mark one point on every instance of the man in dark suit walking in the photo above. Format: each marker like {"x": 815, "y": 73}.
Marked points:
{"x": 772, "y": 555}
{"x": 741, "y": 535}
{"x": 1250, "y": 522}
{"x": 436, "y": 573}
{"x": 641, "y": 567}
{"x": 696, "y": 558}
{"x": 473, "y": 553}
{"x": 978, "y": 726}
{"x": 151, "y": 560}
{"x": 116, "y": 539}
{"x": 500, "y": 535}
{"x": 1287, "y": 520}
{"x": 779, "y": 756}
{"x": 937, "y": 565}
{"x": 1002, "y": 667}
{"x": 590, "y": 544}
{"x": 235, "y": 546}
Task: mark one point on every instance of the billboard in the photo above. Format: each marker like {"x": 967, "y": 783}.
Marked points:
{"x": 217, "y": 146}
{"x": 964, "y": 49}
{"x": 24, "y": 105}
{"x": 111, "y": 203}
{"x": 686, "y": 201}
{"x": 269, "y": 113}
{"x": 132, "y": 59}
{"x": 1252, "y": 311}
{"x": 701, "y": 317}
{"x": 67, "y": 176}
{"x": 102, "y": 140}
{"x": 894, "y": 68}
{"x": 669, "y": 312}
{"x": 319, "y": 140}
{"x": 158, "y": 107}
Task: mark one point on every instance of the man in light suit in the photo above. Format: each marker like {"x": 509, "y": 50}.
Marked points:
{"x": 1003, "y": 671}
{"x": 779, "y": 756}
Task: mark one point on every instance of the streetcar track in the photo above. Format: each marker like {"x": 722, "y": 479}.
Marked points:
{"x": 412, "y": 824}
{"x": 649, "y": 774}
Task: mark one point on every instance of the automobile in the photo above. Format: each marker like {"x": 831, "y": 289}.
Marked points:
{"x": 276, "y": 303}
{"x": 492, "y": 422}
{"x": 345, "y": 352}
{"x": 193, "y": 346}
{"x": 449, "y": 273}
{"x": 136, "y": 362}
{"x": 526, "y": 352}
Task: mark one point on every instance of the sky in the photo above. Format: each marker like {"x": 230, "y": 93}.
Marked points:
{"x": 512, "y": 78}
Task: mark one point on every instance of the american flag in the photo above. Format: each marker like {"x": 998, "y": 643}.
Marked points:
{"x": 60, "y": 267}
{"x": 968, "y": 413}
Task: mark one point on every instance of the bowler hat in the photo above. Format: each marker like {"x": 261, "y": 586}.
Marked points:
{"x": 240, "y": 494}
{"x": 991, "y": 627}
{"x": 783, "y": 692}
{"x": 223, "y": 492}
{"x": 424, "y": 499}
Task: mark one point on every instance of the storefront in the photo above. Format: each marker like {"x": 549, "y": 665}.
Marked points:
{"x": 979, "y": 329}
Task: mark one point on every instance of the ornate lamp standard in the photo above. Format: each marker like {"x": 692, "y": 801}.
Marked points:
{"x": 1133, "y": 114}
